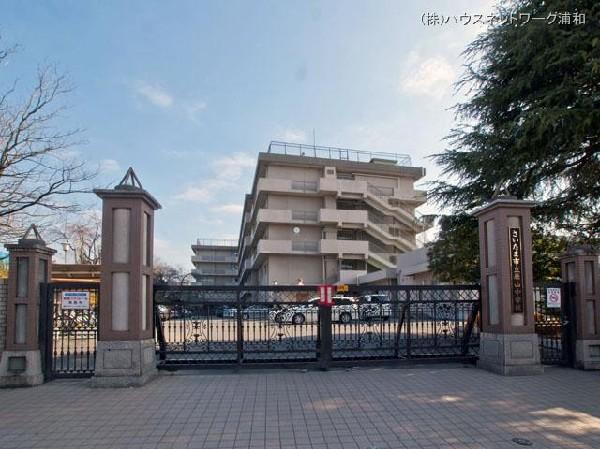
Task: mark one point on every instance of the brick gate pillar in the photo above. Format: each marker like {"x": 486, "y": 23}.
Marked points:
{"x": 509, "y": 345}
{"x": 30, "y": 264}
{"x": 125, "y": 351}
{"x": 580, "y": 265}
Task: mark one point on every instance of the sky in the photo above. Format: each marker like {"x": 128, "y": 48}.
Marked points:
{"x": 188, "y": 92}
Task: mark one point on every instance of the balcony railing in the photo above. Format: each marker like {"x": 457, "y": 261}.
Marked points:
{"x": 305, "y": 246}
{"x": 380, "y": 191}
{"x": 305, "y": 186}
{"x": 217, "y": 259}
{"x": 216, "y": 272}
{"x": 305, "y": 215}
{"x": 216, "y": 242}
{"x": 344, "y": 154}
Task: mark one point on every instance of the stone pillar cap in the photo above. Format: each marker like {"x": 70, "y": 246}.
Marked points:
{"x": 31, "y": 240}
{"x": 129, "y": 186}
{"x": 581, "y": 250}
{"x": 503, "y": 200}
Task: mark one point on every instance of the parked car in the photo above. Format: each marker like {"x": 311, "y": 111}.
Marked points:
{"x": 256, "y": 312}
{"x": 163, "y": 312}
{"x": 253, "y": 312}
{"x": 345, "y": 309}
{"x": 229, "y": 312}
{"x": 373, "y": 307}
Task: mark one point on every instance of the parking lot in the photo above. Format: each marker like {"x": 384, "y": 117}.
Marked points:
{"x": 426, "y": 407}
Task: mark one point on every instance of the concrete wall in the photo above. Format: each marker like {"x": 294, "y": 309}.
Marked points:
{"x": 287, "y": 269}
{"x": 294, "y": 202}
{"x": 3, "y": 300}
{"x": 294, "y": 173}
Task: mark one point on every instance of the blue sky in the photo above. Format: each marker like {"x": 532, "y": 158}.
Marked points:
{"x": 188, "y": 92}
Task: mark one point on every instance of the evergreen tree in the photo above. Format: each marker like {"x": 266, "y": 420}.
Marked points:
{"x": 531, "y": 124}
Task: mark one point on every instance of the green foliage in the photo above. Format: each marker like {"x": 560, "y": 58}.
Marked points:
{"x": 454, "y": 257}
{"x": 531, "y": 124}
{"x": 547, "y": 248}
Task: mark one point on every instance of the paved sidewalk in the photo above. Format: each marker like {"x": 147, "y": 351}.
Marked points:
{"x": 430, "y": 407}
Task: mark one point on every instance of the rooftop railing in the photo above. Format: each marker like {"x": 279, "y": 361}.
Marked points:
{"x": 343, "y": 154}
{"x": 216, "y": 242}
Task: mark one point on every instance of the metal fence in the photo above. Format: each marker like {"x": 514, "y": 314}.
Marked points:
{"x": 68, "y": 332}
{"x": 198, "y": 325}
{"x": 554, "y": 323}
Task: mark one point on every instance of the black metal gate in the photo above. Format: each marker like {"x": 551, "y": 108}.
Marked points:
{"x": 69, "y": 328}
{"x": 199, "y": 325}
{"x": 554, "y": 322}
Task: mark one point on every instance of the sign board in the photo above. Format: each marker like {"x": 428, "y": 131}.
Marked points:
{"x": 326, "y": 295}
{"x": 342, "y": 288}
{"x": 516, "y": 270}
{"x": 75, "y": 300}
{"x": 553, "y": 298}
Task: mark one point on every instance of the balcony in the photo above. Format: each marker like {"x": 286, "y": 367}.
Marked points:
{"x": 330, "y": 246}
{"x": 343, "y": 186}
{"x": 214, "y": 272}
{"x": 305, "y": 246}
{"x": 266, "y": 246}
{"x": 272, "y": 216}
{"x": 340, "y": 217}
{"x": 216, "y": 242}
{"x": 350, "y": 276}
{"x": 286, "y": 186}
{"x": 214, "y": 259}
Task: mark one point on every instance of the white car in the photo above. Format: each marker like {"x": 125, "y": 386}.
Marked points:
{"x": 345, "y": 309}
{"x": 374, "y": 307}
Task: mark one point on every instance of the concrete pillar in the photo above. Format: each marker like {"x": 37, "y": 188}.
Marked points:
{"x": 580, "y": 265}
{"x": 30, "y": 264}
{"x": 509, "y": 344}
{"x": 125, "y": 351}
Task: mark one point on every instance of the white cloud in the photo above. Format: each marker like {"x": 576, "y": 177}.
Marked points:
{"x": 209, "y": 221}
{"x": 231, "y": 167}
{"x": 193, "y": 109}
{"x": 229, "y": 208}
{"x": 432, "y": 76}
{"x": 174, "y": 254}
{"x": 177, "y": 154}
{"x": 227, "y": 172}
{"x": 109, "y": 165}
{"x": 293, "y": 135}
{"x": 154, "y": 94}
{"x": 195, "y": 194}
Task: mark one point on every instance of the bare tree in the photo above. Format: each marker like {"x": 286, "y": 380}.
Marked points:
{"x": 168, "y": 274}
{"x": 36, "y": 172}
{"x": 83, "y": 237}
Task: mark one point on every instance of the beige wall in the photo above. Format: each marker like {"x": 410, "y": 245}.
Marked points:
{"x": 284, "y": 232}
{"x": 287, "y": 269}
{"x": 378, "y": 181}
{"x": 294, "y": 173}
{"x": 294, "y": 202}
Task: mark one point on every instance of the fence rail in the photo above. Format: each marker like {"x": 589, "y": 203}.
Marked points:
{"x": 198, "y": 325}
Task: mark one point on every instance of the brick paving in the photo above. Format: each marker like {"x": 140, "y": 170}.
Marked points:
{"x": 384, "y": 408}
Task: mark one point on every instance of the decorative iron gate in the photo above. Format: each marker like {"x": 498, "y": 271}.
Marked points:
{"x": 198, "y": 325}
{"x": 553, "y": 323}
{"x": 69, "y": 328}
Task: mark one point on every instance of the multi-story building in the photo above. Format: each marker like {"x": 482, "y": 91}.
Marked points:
{"x": 327, "y": 215}
{"x": 215, "y": 262}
